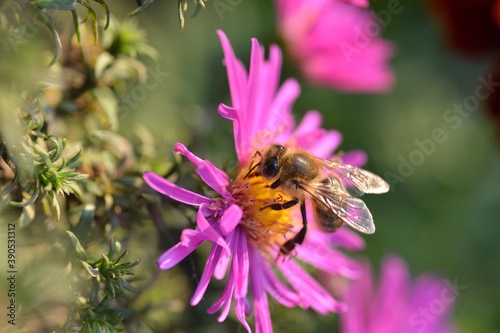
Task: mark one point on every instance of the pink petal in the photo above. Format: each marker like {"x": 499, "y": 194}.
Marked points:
{"x": 357, "y": 318}
{"x": 209, "y": 231}
{"x": 324, "y": 146}
{"x": 280, "y": 109}
{"x": 261, "y": 307}
{"x": 357, "y": 158}
{"x": 347, "y": 239}
{"x": 277, "y": 289}
{"x": 211, "y": 175}
{"x": 328, "y": 40}
{"x": 359, "y": 3}
{"x": 393, "y": 294}
{"x": 310, "y": 136}
{"x": 206, "y": 275}
{"x": 214, "y": 177}
{"x": 313, "y": 294}
{"x": 239, "y": 309}
{"x": 191, "y": 240}
{"x": 228, "y": 112}
{"x": 241, "y": 264}
{"x": 224, "y": 300}
{"x": 311, "y": 121}
{"x": 319, "y": 255}
{"x": 230, "y": 219}
{"x": 225, "y": 258}
{"x": 254, "y": 83}
{"x": 257, "y": 111}
{"x": 173, "y": 191}
{"x": 235, "y": 73}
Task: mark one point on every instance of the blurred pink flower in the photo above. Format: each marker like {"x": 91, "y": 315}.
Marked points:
{"x": 336, "y": 44}
{"x": 246, "y": 240}
{"x": 359, "y": 3}
{"x": 397, "y": 305}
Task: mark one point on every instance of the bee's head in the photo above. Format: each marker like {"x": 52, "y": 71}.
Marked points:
{"x": 269, "y": 165}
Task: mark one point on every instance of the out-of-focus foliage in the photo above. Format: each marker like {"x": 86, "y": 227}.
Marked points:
{"x": 110, "y": 108}
{"x": 68, "y": 176}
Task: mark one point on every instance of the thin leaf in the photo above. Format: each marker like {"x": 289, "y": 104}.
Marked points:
{"x": 129, "y": 287}
{"x": 94, "y": 272}
{"x": 142, "y": 8}
{"x": 77, "y": 246}
{"x": 56, "y": 4}
{"x": 72, "y": 162}
{"x": 82, "y": 228}
{"x": 9, "y": 187}
{"x": 30, "y": 200}
{"x": 60, "y": 144}
{"x": 180, "y": 12}
{"x": 91, "y": 13}
{"x": 46, "y": 20}
{"x": 106, "y": 8}
{"x": 76, "y": 25}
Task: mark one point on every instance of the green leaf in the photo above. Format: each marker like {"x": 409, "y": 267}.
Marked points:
{"x": 114, "y": 247}
{"x": 106, "y": 8}
{"x": 14, "y": 182}
{"x": 115, "y": 319}
{"x": 55, "y": 204}
{"x": 91, "y": 13}
{"x": 111, "y": 289}
{"x": 181, "y": 8}
{"x": 82, "y": 228}
{"x": 128, "y": 265}
{"x": 47, "y": 21}
{"x": 32, "y": 199}
{"x": 121, "y": 256}
{"x": 142, "y": 8}
{"x": 60, "y": 144}
{"x": 77, "y": 246}
{"x": 76, "y": 25}
{"x": 56, "y": 4}
{"x": 129, "y": 287}
{"x": 94, "y": 272}
{"x": 73, "y": 161}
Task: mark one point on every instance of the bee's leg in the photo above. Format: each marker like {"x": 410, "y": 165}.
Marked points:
{"x": 299, "y": 237}
{"x": 275, "y": 184}
{"x": 281, "y": 206}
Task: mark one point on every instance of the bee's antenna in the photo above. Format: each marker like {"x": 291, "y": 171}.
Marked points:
{"x": 253, "y": 167}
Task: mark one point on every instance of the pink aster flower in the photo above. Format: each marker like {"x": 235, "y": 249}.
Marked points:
{"x": 336, "y": 44}
{"x": 246, "y": 238}
{"x": 398, "y": 305}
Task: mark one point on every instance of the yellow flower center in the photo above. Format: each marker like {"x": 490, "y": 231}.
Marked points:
{"x": 266, "y": 228}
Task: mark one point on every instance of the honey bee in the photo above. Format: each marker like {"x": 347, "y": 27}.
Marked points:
{"x": 332, "y": 186}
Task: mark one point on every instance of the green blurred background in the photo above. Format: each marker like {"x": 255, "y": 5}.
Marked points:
{"x": 441, "y": 218}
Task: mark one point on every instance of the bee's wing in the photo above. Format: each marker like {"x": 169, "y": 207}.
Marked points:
{"x": 356, "y": 180}
{"x": 351, "y": 210}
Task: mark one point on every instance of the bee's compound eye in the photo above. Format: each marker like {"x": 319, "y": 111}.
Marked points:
{"x": 271, "y": 167}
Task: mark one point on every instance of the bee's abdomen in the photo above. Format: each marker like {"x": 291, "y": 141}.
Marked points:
{"x": 327, "y": 220}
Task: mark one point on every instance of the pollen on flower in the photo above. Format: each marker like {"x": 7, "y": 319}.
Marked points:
{"x": 266, "y": 228}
